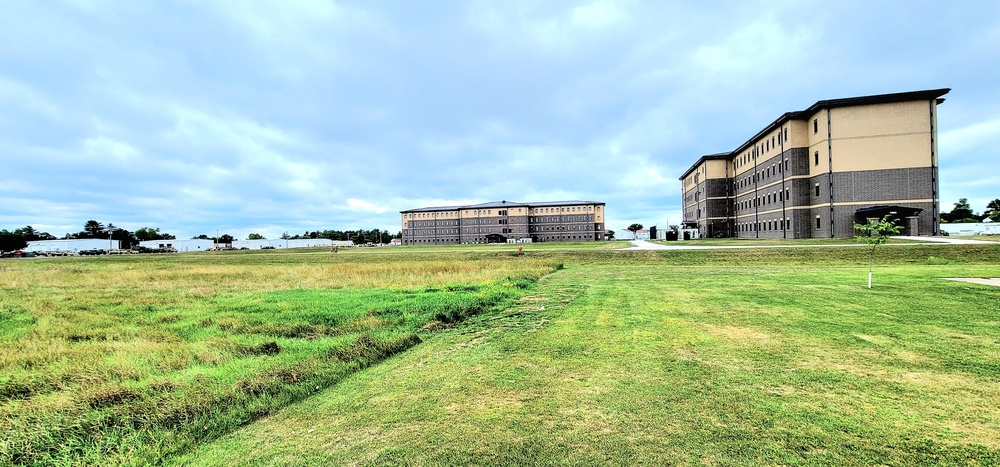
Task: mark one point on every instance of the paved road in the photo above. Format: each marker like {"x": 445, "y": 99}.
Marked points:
{"x": 692, "y": 245}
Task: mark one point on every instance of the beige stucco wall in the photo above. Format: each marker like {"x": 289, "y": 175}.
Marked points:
{"x": 798, "y": 137}
{"x": 714, "y": 169}
{"x": 872, "y": 137}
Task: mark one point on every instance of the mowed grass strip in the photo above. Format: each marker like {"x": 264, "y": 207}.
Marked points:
{"x": 129, "y": 359}
{"x": 637, "y": 359}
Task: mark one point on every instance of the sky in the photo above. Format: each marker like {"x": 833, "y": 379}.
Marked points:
{"x": 301, "y": 115}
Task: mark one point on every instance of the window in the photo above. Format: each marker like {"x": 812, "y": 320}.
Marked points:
{"x": 818, "y": 224}
{"x": 815, "y": 126}
{"x": 786, "y": 165}
{"x": 817, "y": 189}
{"x": 816, "y": 158}
{"x": 786, "y": 134}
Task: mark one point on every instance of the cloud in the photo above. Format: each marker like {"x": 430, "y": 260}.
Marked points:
{"x": 361, "y": 205}
{"x": 318, "y": 114}
{"x": 546, "y": 27}
{"x": 100, "y": 147}
{"x": 980, "y": 135}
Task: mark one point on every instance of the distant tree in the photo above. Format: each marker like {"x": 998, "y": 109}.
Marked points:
{"x": 285, "y": 236}
{"x": 92, "y": 229}
{"x": 202, "y": 237}
{"x": 876, "y": 232}
{"x": 143, "y": 234}
{"x": 225, "y": 238}
{"x": 962, "y": 212}
{"x": 992, "y": 211}
{"x": 399, "y": 234}
{"x": 26, "y": 231}
{"x": 255, "y": 236}
{"x": 124, "y": 237}
{"x": 10, "y": 241}
{"x": 29, "y": 234}
{"x": 634, "y": 228}
{"x": 609, "y": 234}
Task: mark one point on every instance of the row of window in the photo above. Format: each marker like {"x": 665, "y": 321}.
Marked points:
{"x": 564, "y": 237}
{"x": 466, "y": 231}
{"x": 763, "y": 200}
{"x": 483, "y": 239}
{"x": 432, "y": 223}
{"x": 587, "y": 218}
{"x": 765, "y": 226}
{"x": 561, "y": 227}
{"x": 761, "y": 148}
{"x": 501, "y": 212}
{"x": 767, "y": 172}
{"x": 429, "y": 240}
{"x": 771, "y": 225}
{"x": 434, "y": 232}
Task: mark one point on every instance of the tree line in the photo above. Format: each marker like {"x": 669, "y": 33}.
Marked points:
{"x": 360, "y": 236}
{"x": 962, "y": 212}
{"x": 18, "y": 238}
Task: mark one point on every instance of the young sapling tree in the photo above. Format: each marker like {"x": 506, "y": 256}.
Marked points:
{"x": 876, "y": 232}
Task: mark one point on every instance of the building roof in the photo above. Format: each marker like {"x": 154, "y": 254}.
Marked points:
{"x": 501, "y": 204}
{"x": 832, "y": 104}
{"x": 707, "y": 157}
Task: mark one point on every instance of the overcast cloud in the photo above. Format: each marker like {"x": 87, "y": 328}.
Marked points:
{"x": 291, "y": 116}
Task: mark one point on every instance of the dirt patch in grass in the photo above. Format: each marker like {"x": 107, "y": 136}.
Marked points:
{"x": 993, "y": 281}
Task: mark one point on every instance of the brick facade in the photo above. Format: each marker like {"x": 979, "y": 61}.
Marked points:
{"x": 826, "y": 163}
{"x": 503, "y": 221}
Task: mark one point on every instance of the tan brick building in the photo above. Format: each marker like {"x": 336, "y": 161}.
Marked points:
{"x": 815, "y": 172}
{"x": 503, "y": 221}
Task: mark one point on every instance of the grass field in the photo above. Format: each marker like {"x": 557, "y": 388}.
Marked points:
{"x": 985, "y": 238}
{"x": 683, "y": 357}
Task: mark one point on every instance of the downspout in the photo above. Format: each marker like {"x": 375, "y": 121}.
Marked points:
{"x": 756, "y": 201}
{"x": 781, "y": 160}
{"x": 730, "y": 219}
{"x": 935, "y": 221}
{"x": 829, "y": 152}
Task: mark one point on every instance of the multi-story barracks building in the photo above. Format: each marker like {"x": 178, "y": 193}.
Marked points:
{"x": 815, "y": 172}
{"x": 505, "y": 222}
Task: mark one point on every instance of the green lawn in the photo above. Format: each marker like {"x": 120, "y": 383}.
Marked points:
{"x": 772, "y": 358}
{"x": 431, "y": 355}
{"x": 127, "y": 359}
{"x": 985, "y": 238}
